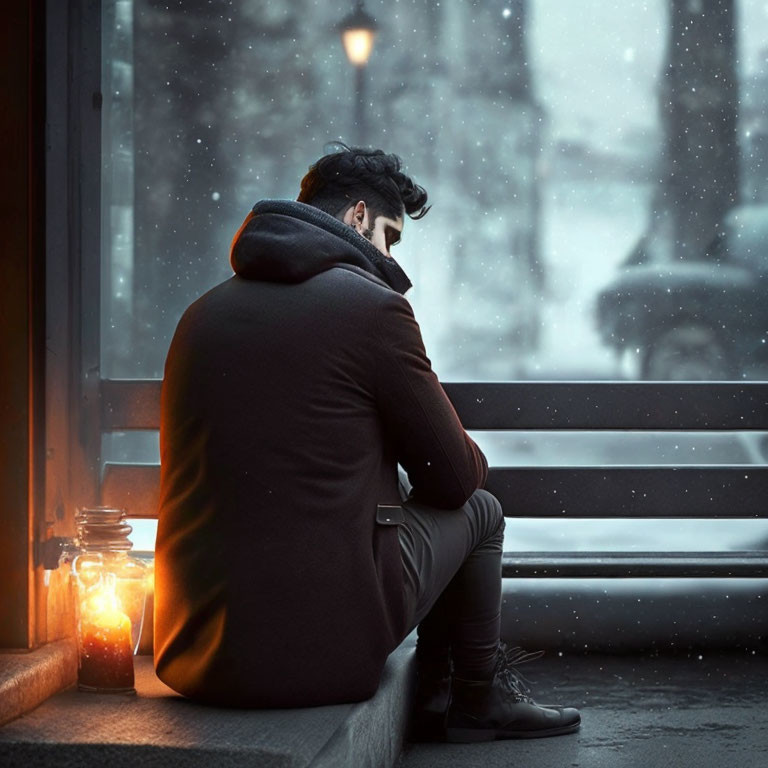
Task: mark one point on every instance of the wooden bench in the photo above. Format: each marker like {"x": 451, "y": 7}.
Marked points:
{"x": 546, "y": 619}
{"x": 610, "y": 492}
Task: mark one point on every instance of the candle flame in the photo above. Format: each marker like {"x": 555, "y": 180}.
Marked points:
{"x": 102, "y": 607}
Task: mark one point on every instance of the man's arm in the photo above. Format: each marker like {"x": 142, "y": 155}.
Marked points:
{"x": 443, "y": 463}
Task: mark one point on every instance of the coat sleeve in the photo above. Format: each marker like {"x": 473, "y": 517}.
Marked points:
{"x": 444, "y": 465}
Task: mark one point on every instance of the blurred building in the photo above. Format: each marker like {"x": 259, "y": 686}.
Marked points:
{"x": 465, "y": 107}
{"x": 753, "y": 133}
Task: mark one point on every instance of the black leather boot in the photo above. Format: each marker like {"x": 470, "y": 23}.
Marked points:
{"x": 501, "y": 708}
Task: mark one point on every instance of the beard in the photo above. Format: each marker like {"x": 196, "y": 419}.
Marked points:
{"x": 366, "y": 233}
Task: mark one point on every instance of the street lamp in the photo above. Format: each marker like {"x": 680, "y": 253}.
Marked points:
{"x": 358, "y": 31}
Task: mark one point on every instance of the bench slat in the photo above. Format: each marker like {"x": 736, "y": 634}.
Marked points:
{"x": 580, "y": 492}
{"x": 133, "y": 487}
{"x": 692, "y": 491}
{"x": 130, "y": 404}
{"x": 604, "y": 405}
{"x": 539, "y": 565}
{"x": 663, "y": 406}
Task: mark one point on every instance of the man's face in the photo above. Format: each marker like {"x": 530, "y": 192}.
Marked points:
{"x": 383, "y": 232}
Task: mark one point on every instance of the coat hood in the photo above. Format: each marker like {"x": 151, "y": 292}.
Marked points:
{"x": 283, "y": 241}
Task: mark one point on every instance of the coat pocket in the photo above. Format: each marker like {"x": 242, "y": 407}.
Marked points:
{"x": 389, "y": 514}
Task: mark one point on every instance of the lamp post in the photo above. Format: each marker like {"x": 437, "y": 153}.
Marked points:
{"x": 358, "y": 31}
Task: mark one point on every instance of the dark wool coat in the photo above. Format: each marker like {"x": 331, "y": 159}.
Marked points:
{"x": 291, "y": 392}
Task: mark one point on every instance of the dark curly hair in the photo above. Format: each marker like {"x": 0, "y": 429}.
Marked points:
{"x": 338, "y": 180}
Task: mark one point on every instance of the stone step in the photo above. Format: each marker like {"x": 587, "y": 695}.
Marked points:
{"x": 159, "y": 728}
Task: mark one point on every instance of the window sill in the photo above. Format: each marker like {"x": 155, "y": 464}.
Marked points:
{"x": 27, "y": 678}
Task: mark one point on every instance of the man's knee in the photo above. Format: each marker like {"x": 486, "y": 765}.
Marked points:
{"x": 489, "y": 509}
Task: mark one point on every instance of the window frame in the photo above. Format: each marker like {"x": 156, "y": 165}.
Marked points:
{"x": 50, "y": 459}
{"x": 52, "y": 452}
{"x": 21, "y": 297}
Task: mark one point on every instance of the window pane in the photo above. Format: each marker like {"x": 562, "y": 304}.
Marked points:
{"x": 539, "y": 449}
{"x": 582, "y": 159}
{"x": 597, "y": 172}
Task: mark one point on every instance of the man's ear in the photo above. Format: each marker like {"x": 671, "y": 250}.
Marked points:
{"x": 356, "y": 216}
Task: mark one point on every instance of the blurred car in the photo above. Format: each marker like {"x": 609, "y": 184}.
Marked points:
{"x": 699, "y": 319}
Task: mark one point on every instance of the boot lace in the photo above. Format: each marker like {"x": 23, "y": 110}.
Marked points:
{"x": 512, "y": 680}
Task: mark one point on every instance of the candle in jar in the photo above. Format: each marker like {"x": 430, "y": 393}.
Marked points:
{"x": 106, "y": 651}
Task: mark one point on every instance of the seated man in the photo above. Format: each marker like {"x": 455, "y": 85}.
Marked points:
{"x": 288, "y": 564}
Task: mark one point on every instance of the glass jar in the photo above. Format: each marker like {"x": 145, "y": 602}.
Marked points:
{"x": 110, "y": 593}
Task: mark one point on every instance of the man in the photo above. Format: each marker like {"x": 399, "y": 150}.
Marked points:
{"x": 288, "y": 565}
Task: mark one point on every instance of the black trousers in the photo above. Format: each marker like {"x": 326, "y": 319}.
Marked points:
{"x": 452, "y": 567}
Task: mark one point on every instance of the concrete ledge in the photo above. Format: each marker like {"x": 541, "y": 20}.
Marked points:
{"x": 159, "y": 728}
{"x": 631, "y": 616}
{"x": 372, "y": 734}
{"x": 27, "y": 678}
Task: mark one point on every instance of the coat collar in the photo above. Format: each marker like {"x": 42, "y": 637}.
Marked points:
{"x": 287, "y": 241}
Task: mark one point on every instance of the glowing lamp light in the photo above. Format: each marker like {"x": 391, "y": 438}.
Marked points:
{"x": 358, "y": 31}
{"x": 358, "y": 44}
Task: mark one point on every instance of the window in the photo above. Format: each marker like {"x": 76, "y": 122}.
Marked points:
{"x": 560, "y": 244}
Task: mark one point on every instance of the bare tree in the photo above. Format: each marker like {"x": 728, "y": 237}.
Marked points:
{"x": 698, "y": 101}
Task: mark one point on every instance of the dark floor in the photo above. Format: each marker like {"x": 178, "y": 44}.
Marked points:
{"x": 649, "y": 712}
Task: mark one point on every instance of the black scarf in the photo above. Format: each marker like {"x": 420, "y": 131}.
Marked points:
{"x": 383, "y": 266}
